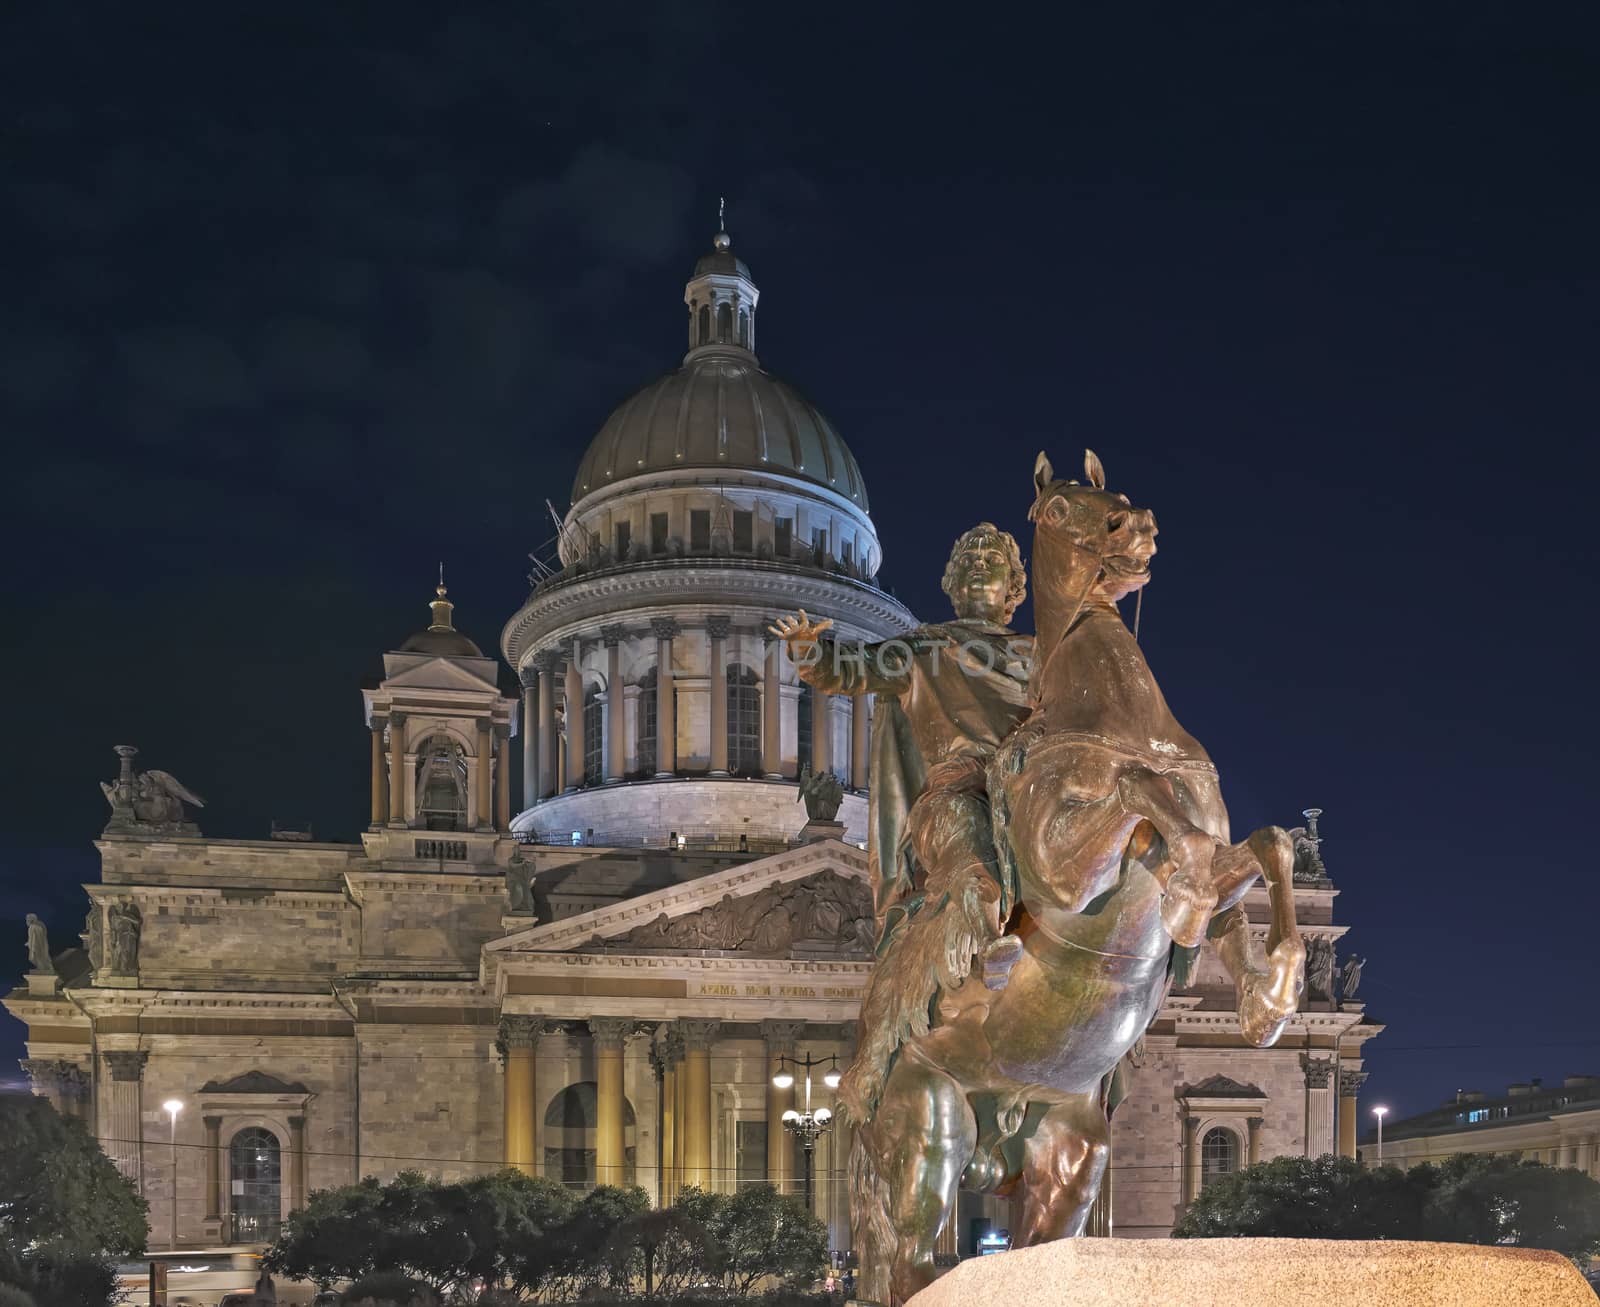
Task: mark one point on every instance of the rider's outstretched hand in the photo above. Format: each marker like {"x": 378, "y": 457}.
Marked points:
{"x": 800, "y": 633}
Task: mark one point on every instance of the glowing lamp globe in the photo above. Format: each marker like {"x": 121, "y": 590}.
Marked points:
{"x": 824, "y": 1116}
{"x": 783, "y": 1080}
{"x": 791, "y": 1115}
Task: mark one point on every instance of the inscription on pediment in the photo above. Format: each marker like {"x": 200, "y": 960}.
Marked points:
{"x": 825, "y": 915}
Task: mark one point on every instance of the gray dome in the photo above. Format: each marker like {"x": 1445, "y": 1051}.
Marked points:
{"x": 442, "y": 644}
{"x": 720, "y": 410}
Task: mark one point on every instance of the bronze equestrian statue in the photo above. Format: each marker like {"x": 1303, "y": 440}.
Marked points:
{"x": 1113, "y": 862}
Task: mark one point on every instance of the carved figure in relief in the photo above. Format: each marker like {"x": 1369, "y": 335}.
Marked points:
{"x": 125, "y": 923}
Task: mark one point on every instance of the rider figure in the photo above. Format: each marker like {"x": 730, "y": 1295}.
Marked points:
{"x": 947, "y": 694}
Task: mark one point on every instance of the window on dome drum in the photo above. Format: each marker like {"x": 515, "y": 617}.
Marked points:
{"x": 705, "y": 325}
{"x": 624, "y": 539}
{"x": 847, "y": 551}
{"x": 1219, "y": 1155}
{"x": 700, "y": 530}
{"x": 783, "y": 537}
{"x": 752, "y": 1153}
{"x": 255, "y": 1185}
{"x": 594, "y": 736}
{"x": 647, "y": 723}
{"x": 819, "y": 543}
{"x": 658, "y": 533}
{"x": 744, "y": 532}
{"x": 569, "y": 1136}
{"x": 725, "y": 323}
{"x": 441, "y": 784}
{"x": 802, "y": 734}
{"x": 744, "y": 721}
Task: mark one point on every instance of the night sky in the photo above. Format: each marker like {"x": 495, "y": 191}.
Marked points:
{"x": 298, "y": 300}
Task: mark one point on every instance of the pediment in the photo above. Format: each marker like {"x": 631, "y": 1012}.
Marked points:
{"x": 1220, "y": 1086}
{"x": 812, "y": 901}
{"x": 428, "y": 672}
{"x": 253, "y": 1082}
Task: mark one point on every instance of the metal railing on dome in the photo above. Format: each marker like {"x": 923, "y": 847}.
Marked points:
{"x": 806, "y": 563}
{"x": 690, "y": 839}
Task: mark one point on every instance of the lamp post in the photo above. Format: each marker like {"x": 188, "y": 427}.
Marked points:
{"x": 1380, "y": 1112}
{"x": 172, "y": 1107}
{"x": 807, "y": 1126}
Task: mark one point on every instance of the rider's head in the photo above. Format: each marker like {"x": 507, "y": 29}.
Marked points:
{"x": 984, "y": 577}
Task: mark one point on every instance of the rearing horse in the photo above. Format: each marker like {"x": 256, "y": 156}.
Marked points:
{"x": 1109, "y": 819}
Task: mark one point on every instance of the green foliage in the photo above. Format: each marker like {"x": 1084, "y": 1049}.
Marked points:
{"x": 1471, "y": 1198}
{"x": 65, "y": 1209}
{"x": 507, "y": 1235}
{"x": 389, "y": 1289}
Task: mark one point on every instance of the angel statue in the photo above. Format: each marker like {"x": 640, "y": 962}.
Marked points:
{"x": 147, "y": 798}
{"x": 821, "y": 793}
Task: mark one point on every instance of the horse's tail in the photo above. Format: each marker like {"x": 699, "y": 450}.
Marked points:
{"x": 870, "y": 1227}
{"x": 895, "y": 1009}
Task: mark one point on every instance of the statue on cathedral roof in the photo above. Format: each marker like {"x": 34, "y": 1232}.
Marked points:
{"x": 39, "y": 947}
{"x": 149, "y": 800}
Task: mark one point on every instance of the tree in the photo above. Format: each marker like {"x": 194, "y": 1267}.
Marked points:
{"x": 65, "y": 1209}
{"x": 505, "y": 1228}
{"x": 589, "y": 1232}
{"x": 1471, "y": 1198}
{"x": 665, "y": 1246}
{"x": 764, "y": 1234}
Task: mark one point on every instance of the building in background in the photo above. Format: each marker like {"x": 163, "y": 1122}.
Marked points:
{"x": 1557, "y": 1125}
{"x": 592, "y": 969}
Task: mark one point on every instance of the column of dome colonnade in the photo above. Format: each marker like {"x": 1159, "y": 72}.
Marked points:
{"x": 568, "y": 741}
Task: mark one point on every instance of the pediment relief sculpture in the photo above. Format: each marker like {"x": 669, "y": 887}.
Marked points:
{"x": 824, "y": 915}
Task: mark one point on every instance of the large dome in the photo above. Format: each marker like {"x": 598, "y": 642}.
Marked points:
{"x": 720, "y": 410}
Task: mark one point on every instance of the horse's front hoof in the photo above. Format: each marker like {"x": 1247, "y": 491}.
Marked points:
{"x": 998, "y": 957}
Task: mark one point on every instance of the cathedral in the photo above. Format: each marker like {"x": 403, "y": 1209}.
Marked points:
{"x": 613, "y": 927}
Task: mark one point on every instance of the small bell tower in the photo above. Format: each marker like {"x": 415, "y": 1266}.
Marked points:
{"x": 441, "y": 754}
{"x": 721, "y": 297}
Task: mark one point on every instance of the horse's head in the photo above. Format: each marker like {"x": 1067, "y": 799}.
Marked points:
{"x": 1089, "y": 544}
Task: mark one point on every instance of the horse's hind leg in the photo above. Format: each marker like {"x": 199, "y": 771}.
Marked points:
{"x": 1063, "y": 1163}
{"x": 925, "y": 1113}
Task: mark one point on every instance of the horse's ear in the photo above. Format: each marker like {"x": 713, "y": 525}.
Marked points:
{"x": 1043, "y": 473}
{"x": 1094, "y": 471}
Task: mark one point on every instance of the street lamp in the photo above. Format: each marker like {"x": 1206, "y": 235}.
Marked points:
{"x": 807, "y": 1126}
{"x": 172, "y": 1107}
{"x": 1380, "y": 1113}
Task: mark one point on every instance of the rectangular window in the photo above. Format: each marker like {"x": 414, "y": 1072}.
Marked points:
{"x": 744, "y": 533}
{"x": 848, "y": 551}
{"x": 783, "y": 537}
{"x": 752, "y": 1160}
{"x": 658, "y": 533}
{"x": 700, "y": 530}
{"x": 624, "y": 540}
{"x": 819, "y": 539}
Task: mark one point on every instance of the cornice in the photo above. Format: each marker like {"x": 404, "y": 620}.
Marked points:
{"x": 242, "y": 896}
{"x": 643, "y": 590}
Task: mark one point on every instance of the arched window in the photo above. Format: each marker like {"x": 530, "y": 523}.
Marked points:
{"x": 744, "y": 721}
{"x": 744, "y": 327}
{"x": 1219, "y": 1155}
{"x": 569, "y": 1136}
{"x": 255, "y": 1184}
{"x": 593, "y": 737}
{"x": 802, "y": 733}
{"x": 441, "y": 784}
{"x": 725, "y": 323}
{"x": 647, "y": 723}
{"x": 705, "y": 324}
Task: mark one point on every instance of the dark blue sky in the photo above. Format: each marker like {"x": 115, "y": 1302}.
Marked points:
{"x": 297, "y": 303}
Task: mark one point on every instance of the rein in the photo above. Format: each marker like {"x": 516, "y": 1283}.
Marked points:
{"x": 1083, "y": 597}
